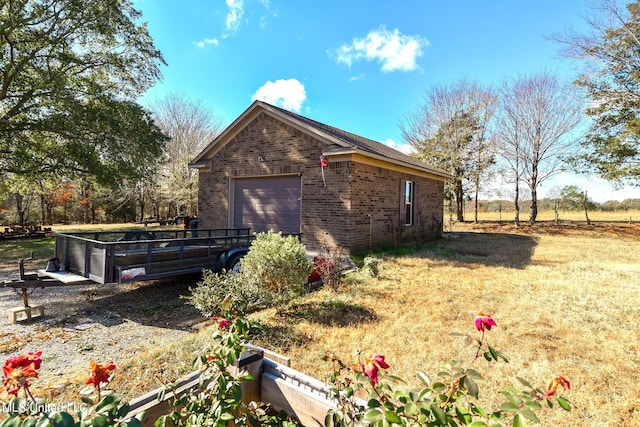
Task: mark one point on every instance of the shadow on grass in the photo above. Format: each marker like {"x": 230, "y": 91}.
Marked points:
{"x": 281, "y": 337}
{"x": 330, "y": 313}
{"x": 495, "y": 249}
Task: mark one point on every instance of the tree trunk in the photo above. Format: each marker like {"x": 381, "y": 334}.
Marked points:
{"x": 534, "y": 206}
{"x": 19, "y": 210}
{"x": 516, "y": 204}
{"x": 475, "y": 209}
{"x": 43, "y": 209}
{"x": 459, "y": 193}
{"x": 586, "y": 210}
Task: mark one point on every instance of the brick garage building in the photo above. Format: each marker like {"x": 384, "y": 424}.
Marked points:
{"x": 265, "y": 171}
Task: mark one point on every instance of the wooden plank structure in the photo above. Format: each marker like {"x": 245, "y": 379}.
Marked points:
{"x": 277, "y": 384}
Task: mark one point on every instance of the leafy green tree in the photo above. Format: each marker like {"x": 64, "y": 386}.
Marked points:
{"x": 450, "y": 129}
{"x": 611, "y": 79}
{"x": 571, "y": 198}
{"x": 70, "y": 71}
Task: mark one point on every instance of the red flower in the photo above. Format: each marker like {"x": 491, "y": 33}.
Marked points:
{"x": 371, "y": 365}
{"x": 221, "y": 321}
{"x": 18, "y": 369}
{"x": 552, "y": 387}
{"x": 484, "y": 321}
{"x": 100, "y": 373}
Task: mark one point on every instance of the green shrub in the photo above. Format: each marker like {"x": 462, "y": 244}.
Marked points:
{"x": 278, "y": 263}
{"x": 215, "y": 287}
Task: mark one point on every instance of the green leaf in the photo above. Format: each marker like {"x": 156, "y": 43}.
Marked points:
{"x": 478, "y": 424}
{"x": 509, "y": 407}
{"x": 564, "y": 403}
{"x": 528, "y": 414}
{"x": 424, "y": 378}
{"x": 518, "y": 421}
{"x": 493, "y": 352}
{"x": 100, "y": 421}
{"x": 471, "y": 386}
{"x": 504, "y": 358}
{"x": 463, "y": 415}
{"x": 439, "y": 413}
{"x": 474, "y": 374}
{"x": 373, "y": 403}
{"x": 107, "y": 404}
{"x": 410, "y": 408}
{"x": 524, "y": 382}
{"x": 12, "y": 421}
{"x": 487, "y": 356}
{"x": 392, "y": 417}
{"x": 533, "y": 404}
{"x": 373, "y": 415}
{"x": 227, "y": 416}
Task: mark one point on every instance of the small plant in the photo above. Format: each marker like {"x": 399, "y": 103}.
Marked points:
{"x": 371, "y": 266}
{"x": 395, "y": 228}
{"x": 214, "y": 287}
{"x": 278, "y": 263}
{"x": 329, "y": 267}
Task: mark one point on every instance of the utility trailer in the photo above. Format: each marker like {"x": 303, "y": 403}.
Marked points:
{"x": 133, "y": 255}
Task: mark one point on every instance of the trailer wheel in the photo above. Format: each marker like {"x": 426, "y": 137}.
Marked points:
{"x": 234, "y": 264}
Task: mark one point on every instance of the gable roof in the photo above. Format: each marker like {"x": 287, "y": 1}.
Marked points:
{"x": 339, "y": 141}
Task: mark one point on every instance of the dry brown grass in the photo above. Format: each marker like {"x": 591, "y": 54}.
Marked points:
{"x": 566, "y": 300}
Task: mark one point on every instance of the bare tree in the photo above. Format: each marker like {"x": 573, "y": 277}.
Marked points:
{"x": 536, "y": 129}
{"x": 190, "y": 126}
{"x": 450, "y": 129}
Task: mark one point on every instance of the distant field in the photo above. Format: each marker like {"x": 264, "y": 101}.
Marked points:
{"x": 547, "y": 215}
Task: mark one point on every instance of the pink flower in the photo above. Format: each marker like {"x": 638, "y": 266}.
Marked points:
{"x": 552, "y": 387}
{"x": 221, "y": 321}
{"x": 371, "y": 365}
{"x": 484, "y": 321}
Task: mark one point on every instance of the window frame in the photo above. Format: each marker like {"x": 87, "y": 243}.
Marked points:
{"x": 409, "y": 191}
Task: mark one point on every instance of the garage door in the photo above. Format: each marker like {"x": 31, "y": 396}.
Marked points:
{"x": 267, "y": 203}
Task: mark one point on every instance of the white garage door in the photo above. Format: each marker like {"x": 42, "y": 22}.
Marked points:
{"x": 267, "y": 203}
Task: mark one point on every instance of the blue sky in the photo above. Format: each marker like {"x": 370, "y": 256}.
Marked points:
{"x": 358, "y": 65}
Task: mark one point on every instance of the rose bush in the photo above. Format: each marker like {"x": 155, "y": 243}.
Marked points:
{"x": 365, "y": 393}
{"x": 29, "y": 411}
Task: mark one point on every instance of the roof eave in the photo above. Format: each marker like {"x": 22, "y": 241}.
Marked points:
{"x": 332, "y": 152}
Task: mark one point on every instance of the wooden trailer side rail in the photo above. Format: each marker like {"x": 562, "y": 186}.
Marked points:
{"x": 299, "y": 395}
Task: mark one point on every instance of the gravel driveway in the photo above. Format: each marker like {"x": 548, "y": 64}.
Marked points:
{"x": 101, "y": 322}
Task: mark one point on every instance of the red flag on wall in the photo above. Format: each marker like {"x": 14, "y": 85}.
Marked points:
{"x": 323, "y": 162}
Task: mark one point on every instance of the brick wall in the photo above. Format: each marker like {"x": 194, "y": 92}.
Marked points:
{"x": 376, "y": 206}
{"x": 335, "y": 214}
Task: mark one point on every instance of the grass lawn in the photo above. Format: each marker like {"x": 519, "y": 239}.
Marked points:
{"x": 566, "y": 300}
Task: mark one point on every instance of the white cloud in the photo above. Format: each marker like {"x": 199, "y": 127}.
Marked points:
{"x": 396, "y": 51}
{"x": 402, "y": 146}
{"x": 202, "y": 43}
{"x": 288, "y": 94}
{"x": 234, "y": 16}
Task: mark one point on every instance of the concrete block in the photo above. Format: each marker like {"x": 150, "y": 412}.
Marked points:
{"x": 18, "y": 314}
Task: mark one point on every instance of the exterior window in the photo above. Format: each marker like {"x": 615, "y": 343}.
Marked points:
{"x": 408, "y": 203}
